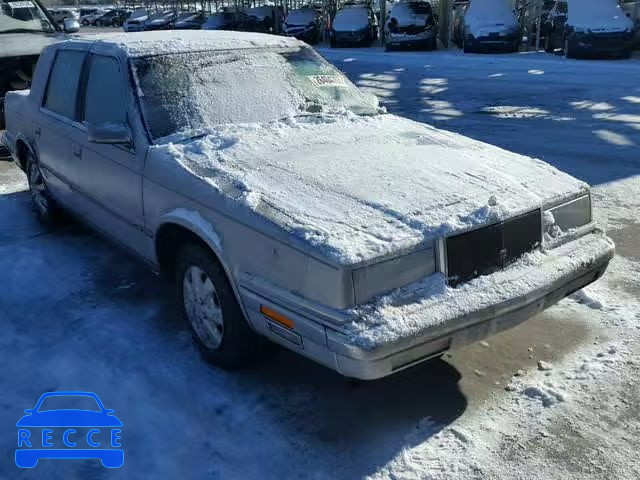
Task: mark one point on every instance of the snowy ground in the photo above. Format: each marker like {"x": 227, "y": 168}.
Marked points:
{"x": 557, "y": 397}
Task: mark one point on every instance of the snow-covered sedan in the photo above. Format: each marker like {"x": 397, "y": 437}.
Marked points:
{"x": 285, "y": 204}
{"x": 353, "y": 24}
{"x": 411, "y": 24}
{"x": 490, "y": 25}
{"x": 589, "y": 27}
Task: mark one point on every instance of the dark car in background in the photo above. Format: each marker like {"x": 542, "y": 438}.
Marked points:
{"x": 265, "y": 19}
{"x": 25, "y": 29}
{"x": 411, "y": 24}
{"x": 354, "y": 24}
{"x": 112, "y": 18}
{"x": 581, "y": 28}
{"x": 305, "y": 24}
{"x": 226, "y": 19}
{"x": 190, "y": 21}
{"x": 490, "y": 26}
{"x": 160, "y": 21}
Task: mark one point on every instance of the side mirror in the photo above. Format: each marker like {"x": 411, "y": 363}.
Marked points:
{"x": 114, "y": 133}
{"x": 71, "y": 25}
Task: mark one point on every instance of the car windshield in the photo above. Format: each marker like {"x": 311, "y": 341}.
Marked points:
{"x": 304, "y": 16}
{"x": 23, "y": 16}
{"x": 69, "y": 402}
{"x": 351, "y": 16}
{"x": 185, "y": 92}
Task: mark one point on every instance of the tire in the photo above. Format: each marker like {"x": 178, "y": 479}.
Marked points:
{"x": 433, "y": 44}
{"x": 388, "y": 47}
{"x": 45, "y": 207}
{"x": 333, "y": 43}
{"x": 210, "y": 308}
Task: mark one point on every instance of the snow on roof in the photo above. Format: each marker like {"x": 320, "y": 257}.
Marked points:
{"x": 176, "y": 41}
{"x": 598, "y": 15}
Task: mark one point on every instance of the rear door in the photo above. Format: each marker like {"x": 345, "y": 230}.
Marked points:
{"x": 57, "y": 121}
{"x": 109, "y": 177}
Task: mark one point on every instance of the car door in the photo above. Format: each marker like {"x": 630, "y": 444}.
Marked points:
{"x": 56, "y": 123}
{"x": 109, "y": 176}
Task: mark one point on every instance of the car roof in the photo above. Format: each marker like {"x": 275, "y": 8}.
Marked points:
{"x": 172, "y": 41}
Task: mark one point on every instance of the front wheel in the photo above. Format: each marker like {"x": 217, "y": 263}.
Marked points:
{"x": 568, "y": 51}
{"x": 44, "y": 206}
{"x": 211, "y": 310}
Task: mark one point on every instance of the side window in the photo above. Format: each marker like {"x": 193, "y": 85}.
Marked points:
{"x": 63, "y": 83}
{"x": 104, "y": 98}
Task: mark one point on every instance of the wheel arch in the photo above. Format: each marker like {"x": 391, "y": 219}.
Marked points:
{"x": 183, "y": 226}
{"x": 23, "y": 148}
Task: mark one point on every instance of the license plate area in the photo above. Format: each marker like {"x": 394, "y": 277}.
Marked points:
{"x": 488, "y": 249}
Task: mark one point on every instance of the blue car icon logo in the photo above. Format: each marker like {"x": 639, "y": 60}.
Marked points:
{"x": 69, "y": 425}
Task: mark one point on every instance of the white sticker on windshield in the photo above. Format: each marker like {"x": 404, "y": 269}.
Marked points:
{"x": 327, "y": 80}
{"x": 21, "y": 4}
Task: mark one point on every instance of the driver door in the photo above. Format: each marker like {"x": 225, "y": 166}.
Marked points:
{"x": 109, "y": 176}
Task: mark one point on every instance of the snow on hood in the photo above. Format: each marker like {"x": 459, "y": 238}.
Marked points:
{"x": 407, "y": 16}
{"x": 358, "y": 189}
{"x": 487, "y": 14}
{"x": 598, "y": 16}
{"x": 351, "y": 18}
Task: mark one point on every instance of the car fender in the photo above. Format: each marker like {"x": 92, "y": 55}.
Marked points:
{"x": 193, "y": 221}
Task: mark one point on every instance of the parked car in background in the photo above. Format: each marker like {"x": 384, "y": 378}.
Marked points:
{"x": 581, "y": 28}
{"x": 271, "y": 241}
{"x": 632, "y": 9}
{"x": 160, "y": 20}
{"x": 490, "y": 25}
{"x": 190, "y": 21}
{"x": 304, "y": 24}
{"x": 59, "y": 15}
{"x": 411, "y": 24}
{"x": 25, "y": 29}
{"x": 112, "y": 18}
{"x": 224, "y": 20}
{"x": 90, "y": 18}
{"x": 265, "y": 19}
{"x": 353, "y": 24}
{"x": 136, "y": 21}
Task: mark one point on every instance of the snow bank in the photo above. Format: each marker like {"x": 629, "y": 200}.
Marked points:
{"x": 359, "y": 189}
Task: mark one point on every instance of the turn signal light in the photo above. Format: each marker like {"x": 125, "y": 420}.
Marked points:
{"x": 276, "y": 317}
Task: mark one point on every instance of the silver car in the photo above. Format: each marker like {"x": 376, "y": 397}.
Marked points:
{"x": 285, "y": 204}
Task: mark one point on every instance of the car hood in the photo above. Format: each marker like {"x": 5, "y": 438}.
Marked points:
{"x": 357, "y": 189}
{"x": 69, "y": 418}
{"x": 22, "y": 44}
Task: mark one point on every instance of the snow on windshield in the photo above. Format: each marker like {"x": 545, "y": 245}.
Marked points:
{"x": 411, "y": 11}
{"x": 304, "y": 16}
{"x": 22, "y": 15}
{"x": 351, "y": 17}
{"x": 597, "y": 14}
{"x": 494, "y": 12}
{"x": 189, "y": 92}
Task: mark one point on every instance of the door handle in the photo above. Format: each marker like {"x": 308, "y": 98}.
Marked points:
{"x": 37, "y": 132}
{"x": 77, "y": 151}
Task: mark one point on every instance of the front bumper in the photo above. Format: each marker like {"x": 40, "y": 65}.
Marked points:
{"x": 350, "y": 37}
{"x": 421, "y": 38}
{"x": 601, "y": 44}
{"x": 500, "y": 42}
{"x": 365, "y": 347}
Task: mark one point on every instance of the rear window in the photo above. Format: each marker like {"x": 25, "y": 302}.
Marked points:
{"x": 63, "y": 83}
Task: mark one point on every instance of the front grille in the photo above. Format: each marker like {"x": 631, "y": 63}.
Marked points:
{"x": 412, "y": 29}
{"x": 489, "y": 249}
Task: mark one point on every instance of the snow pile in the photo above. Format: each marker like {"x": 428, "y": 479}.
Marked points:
{"x": 358, "y": 189}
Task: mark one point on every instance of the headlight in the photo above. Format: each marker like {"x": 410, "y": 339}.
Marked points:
{"x": 564, "y": 218}
{"x": 390, "y": 274}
